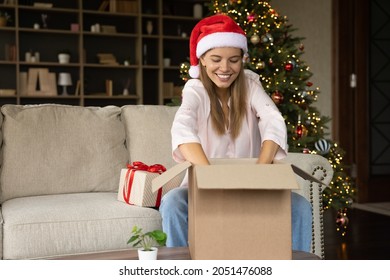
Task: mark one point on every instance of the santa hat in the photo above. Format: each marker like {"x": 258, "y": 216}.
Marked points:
{"x": 214, "y": 32}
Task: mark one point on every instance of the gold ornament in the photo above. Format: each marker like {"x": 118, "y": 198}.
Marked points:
{"x": 255, "y": 39}
{"x": 260, "y": 65}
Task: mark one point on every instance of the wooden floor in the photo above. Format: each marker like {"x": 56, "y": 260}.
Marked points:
{"x": 367, "y": 238}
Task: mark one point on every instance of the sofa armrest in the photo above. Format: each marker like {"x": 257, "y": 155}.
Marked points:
{"x": 320, "y": 168}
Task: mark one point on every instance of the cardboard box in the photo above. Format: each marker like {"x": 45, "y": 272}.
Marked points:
{"x": 238, "y": 209}
{"x": 135, "y": 188}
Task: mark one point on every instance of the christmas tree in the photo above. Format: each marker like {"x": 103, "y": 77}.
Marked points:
{"x": 275, "y": 54}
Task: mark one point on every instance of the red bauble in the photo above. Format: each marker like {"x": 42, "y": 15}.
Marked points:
{"x": 342, "y": 219}
{"x": 277, "y": 97}
{"x": 251, "y": 17}
{"x": 299, "y": 130}
{"x": 309, "y": 84}
{"x": 288, "y": 67}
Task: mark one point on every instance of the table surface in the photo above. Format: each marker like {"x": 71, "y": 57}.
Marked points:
{"x": 164, "y": 253}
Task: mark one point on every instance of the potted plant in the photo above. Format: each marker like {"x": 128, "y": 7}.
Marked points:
{"x": 4, "y": 18}
{"x": 64, "y": 56}
{"x": 146, "y": 241}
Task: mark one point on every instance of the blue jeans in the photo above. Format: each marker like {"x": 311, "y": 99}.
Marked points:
{"x": 174, "y": 212}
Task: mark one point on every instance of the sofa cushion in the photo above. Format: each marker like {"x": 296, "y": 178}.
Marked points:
{"x": 148, "y": 132}
{"x": 47, "y": 226}
{"x": 53, "y": 149}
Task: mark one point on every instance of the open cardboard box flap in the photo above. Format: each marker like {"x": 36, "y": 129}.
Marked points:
{"x": 252, "y": 176}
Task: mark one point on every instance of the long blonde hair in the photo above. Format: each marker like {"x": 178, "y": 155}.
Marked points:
{"x": 238, "y": 103}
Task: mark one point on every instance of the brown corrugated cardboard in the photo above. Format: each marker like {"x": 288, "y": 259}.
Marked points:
{"x": 238, "y": 209}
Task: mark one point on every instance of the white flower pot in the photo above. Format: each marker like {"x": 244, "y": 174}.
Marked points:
{"x": 147, "y": 255}
{"x": 63, "y": 58}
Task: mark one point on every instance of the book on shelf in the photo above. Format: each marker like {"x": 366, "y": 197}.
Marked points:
{"x": 107, "y": 58}
{"x": 109, "y": 87}
{"x": 123, "y": 6}
{"x": 77, "y": 91}
{"x": 43, "y": 5}
{"x": 104, "y": 5}
{"x": 10, "y": 52}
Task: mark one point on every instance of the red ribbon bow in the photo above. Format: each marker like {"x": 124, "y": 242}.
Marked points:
{"x": 140, "y": 166}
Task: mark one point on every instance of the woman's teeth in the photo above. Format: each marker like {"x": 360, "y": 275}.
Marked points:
{"x": 224, "y": 76}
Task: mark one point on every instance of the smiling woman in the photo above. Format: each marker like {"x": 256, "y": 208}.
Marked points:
{"x": 225, "y": 113}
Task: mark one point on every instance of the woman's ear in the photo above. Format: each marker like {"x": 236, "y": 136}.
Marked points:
{"x": 202, "y": 62}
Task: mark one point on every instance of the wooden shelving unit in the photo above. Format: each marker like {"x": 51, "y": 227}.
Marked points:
{"x": 83, "y": 30}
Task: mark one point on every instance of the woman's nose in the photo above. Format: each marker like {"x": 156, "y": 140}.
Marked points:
{"x": 224, "y": 65}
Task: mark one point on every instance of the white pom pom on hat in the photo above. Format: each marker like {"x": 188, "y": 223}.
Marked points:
{"x": 214, "y": 32}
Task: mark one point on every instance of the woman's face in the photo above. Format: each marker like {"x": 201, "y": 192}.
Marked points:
{"x": 222, "y": 65}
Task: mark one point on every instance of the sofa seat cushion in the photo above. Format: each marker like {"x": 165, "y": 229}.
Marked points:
{"x": 56, "y": 149}
{"x": 53, "y": 225}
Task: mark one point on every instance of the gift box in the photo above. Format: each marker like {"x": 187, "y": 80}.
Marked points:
{"x": 135, "y": 185}
{"x": 239, "y": 203}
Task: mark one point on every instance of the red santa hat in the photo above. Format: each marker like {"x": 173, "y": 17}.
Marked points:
{"x": 214, "y": 32}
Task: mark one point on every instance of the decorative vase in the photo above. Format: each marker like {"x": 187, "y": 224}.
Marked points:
{"x": 149, "y": 27}
{"x": 63, "y": 58}
{"x": 147, "y": 255}
{"x": 198, "y": 11}
{"x": 167, "y": 62}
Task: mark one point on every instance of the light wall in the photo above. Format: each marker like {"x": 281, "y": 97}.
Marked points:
{"x": 313, "y": 21}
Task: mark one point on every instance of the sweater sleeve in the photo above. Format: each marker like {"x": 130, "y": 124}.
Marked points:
{"x": 185, "y": 124}
{"x": 270, "y": 121}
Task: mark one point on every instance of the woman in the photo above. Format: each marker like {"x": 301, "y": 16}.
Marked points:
{"x": 225, "y": 113}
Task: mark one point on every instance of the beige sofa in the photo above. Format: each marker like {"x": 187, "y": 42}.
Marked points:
{"x": 60, "y": 170}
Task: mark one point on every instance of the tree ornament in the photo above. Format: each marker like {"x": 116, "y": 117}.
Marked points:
{"x": 342, "y": 219}
{"x": 277, "y": 97}
{"x": 309, "y": 84}
{"x": 251, "y": 17}
{"x": 270, "y": 61}
{"x": 273, "y": 12}
{"x": 289, "y": 67}
{"x": 301, "y": 129}
{"x": 260, "y": 65}
{"x": 255, "y": 39}
{"x": 301, "y": 47}
{"x": 306, "y": 151}
{"x": 267, "y": 38}
{"x": 322, "y": 146}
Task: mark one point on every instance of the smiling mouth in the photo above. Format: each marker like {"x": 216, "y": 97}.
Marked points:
{"x": 224, "y": 76}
